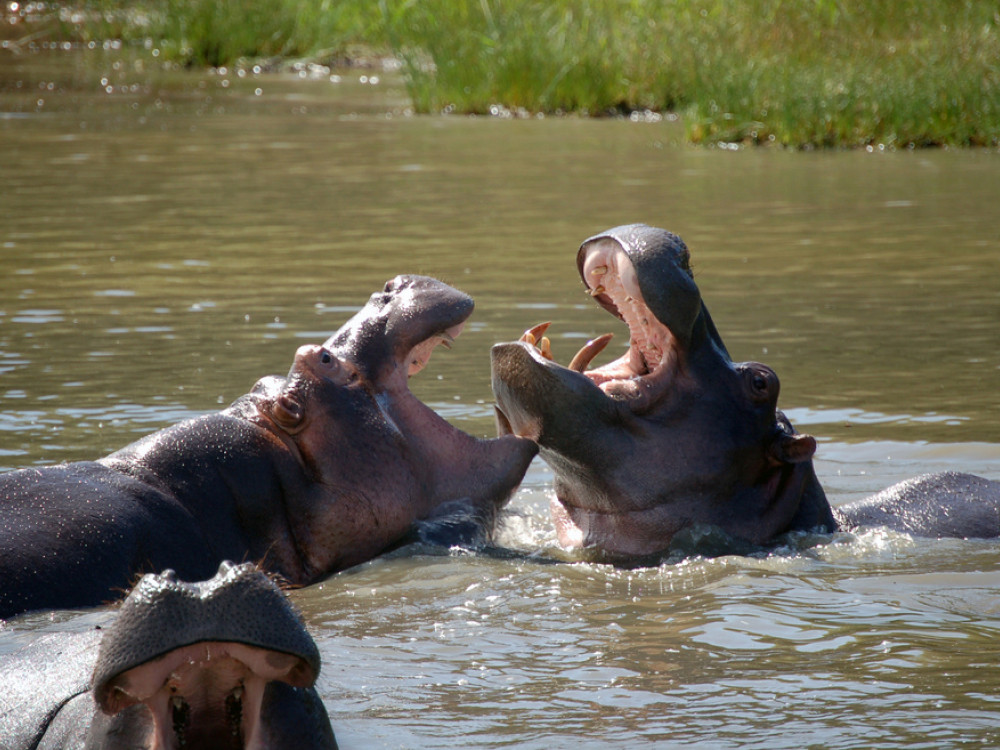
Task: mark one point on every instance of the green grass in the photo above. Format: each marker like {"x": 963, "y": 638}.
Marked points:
{"x": 802, "y": 73}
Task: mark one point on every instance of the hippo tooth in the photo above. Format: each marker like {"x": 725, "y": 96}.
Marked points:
{"x": 599, "y": 270}
{"x": 533, "y": 334}
{"x": 588, "y": 351}
{"x": 546, "y": 347}
{"x": 596, "y": 290}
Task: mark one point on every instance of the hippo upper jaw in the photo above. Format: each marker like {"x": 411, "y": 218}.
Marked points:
{"x": 393, "y": 335}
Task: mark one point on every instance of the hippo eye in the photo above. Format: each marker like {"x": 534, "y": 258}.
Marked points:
{"x": 762, "y": 383}
{"x": 325, "y": 357}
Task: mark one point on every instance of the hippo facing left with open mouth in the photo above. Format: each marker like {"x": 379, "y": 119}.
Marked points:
{"x": 673, "y": 434}
{"x": 309, "y": 473}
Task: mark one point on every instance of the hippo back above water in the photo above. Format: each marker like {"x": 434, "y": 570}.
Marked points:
{"x": 309, "y": 473}
{"x": 674, "y": 435}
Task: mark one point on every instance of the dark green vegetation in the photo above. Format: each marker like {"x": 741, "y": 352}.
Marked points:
{"x": 796, "y": 72}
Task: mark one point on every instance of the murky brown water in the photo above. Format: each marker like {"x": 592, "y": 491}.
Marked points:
{"x": 165, "y": 243}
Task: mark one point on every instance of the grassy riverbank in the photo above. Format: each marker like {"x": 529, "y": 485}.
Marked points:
{"x": 796, "y": 72}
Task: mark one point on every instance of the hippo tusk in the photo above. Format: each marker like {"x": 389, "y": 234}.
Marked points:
{"x": 533, "y": 334}
{"x": 588, "y": 351}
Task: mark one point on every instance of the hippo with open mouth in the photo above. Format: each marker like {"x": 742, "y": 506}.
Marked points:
{"x": 222, "y": 664}
{"x": 674, "y": 435}
{"x": 308, "y": 474}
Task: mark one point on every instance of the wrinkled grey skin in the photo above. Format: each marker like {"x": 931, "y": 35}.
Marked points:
{"x": 145, "y": 682}
{"x": 308, "y": 474}
{"x": 675, "y": 435}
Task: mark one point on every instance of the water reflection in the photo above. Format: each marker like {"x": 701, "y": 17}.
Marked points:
{"x": 162, "y": 247}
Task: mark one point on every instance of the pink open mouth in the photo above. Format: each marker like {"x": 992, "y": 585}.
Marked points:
{"x": 647, "y": 369}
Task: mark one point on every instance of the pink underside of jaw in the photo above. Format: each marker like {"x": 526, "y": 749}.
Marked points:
{"x": 638, "y": 533}
{"x": 456, "y": 462}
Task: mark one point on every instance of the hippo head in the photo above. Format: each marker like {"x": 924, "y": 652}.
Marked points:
{"x": 192, "y": 664}
{"x": 382, "y": 459}
{"x": 670, "y": 435}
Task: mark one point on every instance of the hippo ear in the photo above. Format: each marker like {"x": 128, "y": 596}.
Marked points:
{"x": 288, "y": 413}
{"x": 792, "y": 448}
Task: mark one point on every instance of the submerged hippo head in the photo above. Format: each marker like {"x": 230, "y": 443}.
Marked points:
{"x": 196, "y": 665}
{"x": 669, "y": 435}
{"x": 382, "y": 460}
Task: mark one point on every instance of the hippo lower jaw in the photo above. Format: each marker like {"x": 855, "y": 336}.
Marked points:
{"x": 561, "y": 408}
{"x": 459, "y": 466}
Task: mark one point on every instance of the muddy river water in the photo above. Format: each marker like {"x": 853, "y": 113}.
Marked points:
{"x": 166, "y": 238}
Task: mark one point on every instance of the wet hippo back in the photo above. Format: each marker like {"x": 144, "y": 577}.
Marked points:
{"x": 947, "y": 504}
{"x": 76, "y": 534}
